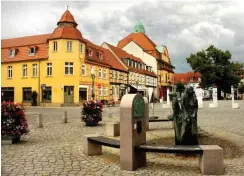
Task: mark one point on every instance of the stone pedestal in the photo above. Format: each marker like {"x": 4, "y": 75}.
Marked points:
{"x": 132, "y": 131}
{"x": 90, "y": 149}
{"x": 113, "y": 129}
{"x": 234, "y": 105}
{"x": 214, "y": 104}
{"x": 199, "y": 94}
{"x": 211, "y": 162}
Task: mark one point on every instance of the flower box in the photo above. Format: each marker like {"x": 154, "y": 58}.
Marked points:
{"x": 92, "y": 113}
{"x": 13, "y": 121}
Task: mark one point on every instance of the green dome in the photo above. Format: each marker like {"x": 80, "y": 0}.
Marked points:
{"x": 139, "y": 28}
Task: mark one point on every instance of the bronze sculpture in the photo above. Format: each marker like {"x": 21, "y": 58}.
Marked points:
{"x": 185, "y": 117}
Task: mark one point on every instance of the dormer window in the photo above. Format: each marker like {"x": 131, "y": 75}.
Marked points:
{"x": 191, "y": 79}
{"x": 12, "y": 53}
{"x": 100, "y": 55}
{"x": 32, "y": 51}
{"x": 89, "y": 52}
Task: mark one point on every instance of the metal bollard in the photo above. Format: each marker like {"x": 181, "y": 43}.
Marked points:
{"x": 40, "y": 120}
{"x": 65, "y": 117}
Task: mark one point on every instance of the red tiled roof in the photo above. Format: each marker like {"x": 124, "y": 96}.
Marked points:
{"x": 24, "y": 41}
{"x": 185, "y": 77}
{"x": 67, "y": 17}
{"x": 66, "y": 32}
{"x": 94, "y": 58}
{"x": 22, "y": 44}
{"x": 143, "y": 41}
{"x": 123, "y": 54}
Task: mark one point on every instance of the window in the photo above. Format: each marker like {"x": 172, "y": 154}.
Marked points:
{"x": 12, "y": 53}
{"x": 104, "y": 91}
{"x": 34, "y": 69}
{"x": 104, "y": 74}
{"x": 89, "y": 52}
{"x": 49, "y": 69}
{"x": 113, "y": 74}
{"x": 47, "y": 94}
{"x": 69, "y": 70}
{"x": 31, "y": 51}
{"x": 166, "y": 77}
{"x": 199, "y": 79}
{"x": 100, "y": 91}
{"x": 113, "y": 90}
{"x": 25, "y": 70}
{"x": 117, "y": 75}
{"x": 100, "y": 73}
{"x": 191, "y": 79}
{"x": 99, "y": 54}
{"x": 83, "y": 70}
{"x": 10, "y": 72}
{"x": 27, "y": 93}
{"x": 81, "y": 48}
{"x": 69, "y": 45}
{"x": 55, "y": 46}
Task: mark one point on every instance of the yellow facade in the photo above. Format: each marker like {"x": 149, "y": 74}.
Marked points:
{"x": 58, "y": 81}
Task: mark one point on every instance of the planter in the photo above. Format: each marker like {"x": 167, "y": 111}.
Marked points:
{"x": 88, "y": 123}
{"x": 11, "y": 139}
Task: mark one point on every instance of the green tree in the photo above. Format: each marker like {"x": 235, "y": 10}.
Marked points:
{"x": 216, "y": 68}
{"x": 241, "y": 88}
{"x": 180, "y": 87}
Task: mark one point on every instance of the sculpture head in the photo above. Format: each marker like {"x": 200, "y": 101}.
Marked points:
{"x": 190, "y": 91}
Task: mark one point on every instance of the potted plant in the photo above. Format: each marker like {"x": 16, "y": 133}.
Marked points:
{"x": 92, "y": 113}
{"x": 13, "y": 121}
{"x": 34, "y": 98}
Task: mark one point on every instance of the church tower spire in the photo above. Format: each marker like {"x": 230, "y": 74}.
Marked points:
{"x": 139, "y": 28}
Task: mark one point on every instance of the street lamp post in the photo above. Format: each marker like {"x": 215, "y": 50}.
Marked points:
{"x": 93, "y": 78}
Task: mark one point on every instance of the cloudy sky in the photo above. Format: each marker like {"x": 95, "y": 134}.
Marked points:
{"x": 184, "y": 27}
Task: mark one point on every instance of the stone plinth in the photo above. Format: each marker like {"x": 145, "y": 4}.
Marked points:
{"x": 89, "y": 148}
{"x": 235, "y": 105}
{"x": 211, "y": 162}
{"x": 213, "y": 105}
{"x": 113, "y": 129}
{"x": 132, "y": 131}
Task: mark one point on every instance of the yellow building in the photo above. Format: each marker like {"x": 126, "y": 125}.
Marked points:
{"x": 52, "y": 65}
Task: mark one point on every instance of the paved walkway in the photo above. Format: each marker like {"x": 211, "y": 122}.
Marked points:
{"x": 56, "y": 149}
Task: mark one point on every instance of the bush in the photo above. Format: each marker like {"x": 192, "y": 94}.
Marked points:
{"x": 13, "y": 120}
{"x": 92, "y": 112}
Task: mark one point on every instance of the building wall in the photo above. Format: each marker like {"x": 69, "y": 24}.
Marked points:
{"x": 18, "y": 81}
{"x": 134, "y": 49}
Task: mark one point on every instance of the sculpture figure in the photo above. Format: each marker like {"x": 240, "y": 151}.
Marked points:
{"x": 185, "y": 117}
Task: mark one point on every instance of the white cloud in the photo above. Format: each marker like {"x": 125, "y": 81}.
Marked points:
{"x": 184, "y": 27}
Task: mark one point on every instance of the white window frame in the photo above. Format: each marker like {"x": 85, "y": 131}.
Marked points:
{"x": 90, "y": 52}
{"x": 25, "y": 69}
{"x": 100, "y": 73}
{"x": 100, "y": 55}
{"x": 83, "y": 68}
{"x": 81, "y": 47}
{"x": 12, "y": 53}
{"x": 55, "y": 46}
{"x": 100, "y": 91}
{"x": 49, "y": 69}
{"x": 34, "y": 51}
{"x": 104, "y": 74}
{"x": 104, "y": 91}
{"x": 69, "y": 65}
{"x": 10, "y": 71}
{"x": 69, "y": 46}
{"x": 34, "y": 70}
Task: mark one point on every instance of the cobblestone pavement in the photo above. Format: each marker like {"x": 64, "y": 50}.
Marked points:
{"x": 56, "y": 149}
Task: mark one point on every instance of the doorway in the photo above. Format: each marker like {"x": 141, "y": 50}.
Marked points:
{"x": 82, "y": 94}
{"x": 68, "y": 94}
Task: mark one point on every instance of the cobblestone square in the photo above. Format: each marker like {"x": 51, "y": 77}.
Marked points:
{"x": 56, "y": 149}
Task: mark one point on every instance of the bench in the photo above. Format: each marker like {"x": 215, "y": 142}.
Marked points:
{"x": 210, "y": 161}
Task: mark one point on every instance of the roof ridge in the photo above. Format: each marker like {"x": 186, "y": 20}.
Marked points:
{"x": 25, "y": 36}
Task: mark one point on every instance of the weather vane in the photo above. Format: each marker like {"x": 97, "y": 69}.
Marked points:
{"x": 67, "y": 7}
